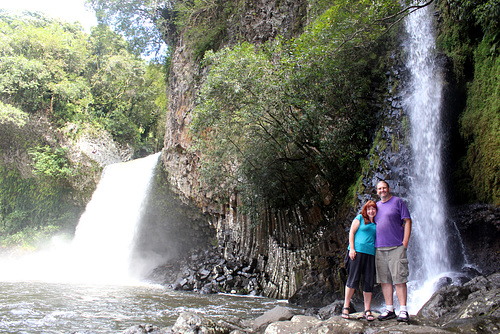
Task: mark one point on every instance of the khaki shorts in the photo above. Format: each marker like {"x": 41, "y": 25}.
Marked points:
{"x": 391, "y": 265}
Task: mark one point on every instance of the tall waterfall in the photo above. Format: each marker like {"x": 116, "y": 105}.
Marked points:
{"x": 101, "y": 249}
{"x": 106, "y": 230}
{"x": 428, "y": 245}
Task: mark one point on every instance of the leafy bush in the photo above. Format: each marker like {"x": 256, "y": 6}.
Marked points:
{"x": 10, "y": 114}
{"x": 287, "y": 122}
{"x": 53, "y": 163}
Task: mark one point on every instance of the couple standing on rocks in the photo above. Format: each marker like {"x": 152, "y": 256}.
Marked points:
{"x": 378, "y": 240}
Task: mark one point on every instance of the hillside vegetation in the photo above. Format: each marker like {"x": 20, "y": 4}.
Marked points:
{"x": 282, "y": 121}
{"x": 62, "y": 92}
{"x": 470, "y": 35}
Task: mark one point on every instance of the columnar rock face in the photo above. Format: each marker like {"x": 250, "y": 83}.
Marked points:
{"x": 298, "y": 251}
{"x": 272, "y": 245}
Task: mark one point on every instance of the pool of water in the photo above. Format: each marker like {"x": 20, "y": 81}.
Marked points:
{"x": 40, "y": 307}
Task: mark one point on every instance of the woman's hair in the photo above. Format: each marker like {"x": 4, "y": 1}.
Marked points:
{"x": 364, "y": 213}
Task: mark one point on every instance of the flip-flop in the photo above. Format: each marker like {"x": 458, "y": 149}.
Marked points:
{"x": 369, "y": 316}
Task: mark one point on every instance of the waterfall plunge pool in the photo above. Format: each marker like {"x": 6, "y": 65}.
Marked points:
{"x": 39, "y": 307}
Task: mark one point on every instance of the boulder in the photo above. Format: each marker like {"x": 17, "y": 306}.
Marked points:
{"x": 334, "y": 308}
{"x": 145, "y": 329}
{"x": 192, "y": 323}
{"x": 476, "y": 304}
{"x": 278, "y": 313}
{"x": 298, "y": 324}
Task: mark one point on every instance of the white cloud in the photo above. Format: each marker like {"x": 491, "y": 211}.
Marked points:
{"x": 65, "y": 10}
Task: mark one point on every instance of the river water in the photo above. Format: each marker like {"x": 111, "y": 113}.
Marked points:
{"x": 40, "y": 307}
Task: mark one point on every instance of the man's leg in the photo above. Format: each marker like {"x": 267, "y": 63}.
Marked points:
{"x": 389, "y": 302}
{"x": 401, "y": 292}
{"x": 384, "y": 277}
{"x": 402, "y": 271}
{"x": 388, "y": 292}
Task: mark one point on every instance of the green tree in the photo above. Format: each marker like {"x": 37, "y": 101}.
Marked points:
{"x": 139, "y": 20}
{"x": 41, "y": 64}
{"x": 282, "y": 122}
{"x": 55, "y": 77}
{"x": 56, "y": 69}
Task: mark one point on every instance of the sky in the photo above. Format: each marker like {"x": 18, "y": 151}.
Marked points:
{"x": 65, "y": 10}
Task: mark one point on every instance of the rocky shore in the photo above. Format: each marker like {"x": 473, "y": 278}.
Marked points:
{"x": 206, "y": 271}
{"x": 473, "y": 307}
{"x": 469, "y": 303}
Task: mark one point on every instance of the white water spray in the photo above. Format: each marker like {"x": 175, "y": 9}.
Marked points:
{"x": 428, "y": 247}
{"x": 101, "y": 249}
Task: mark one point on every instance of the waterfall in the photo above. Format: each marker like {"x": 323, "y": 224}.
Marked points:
{"x": 101, "y": 250}
{"x": 428, "y": 249}
{"x": 106, "y": 230}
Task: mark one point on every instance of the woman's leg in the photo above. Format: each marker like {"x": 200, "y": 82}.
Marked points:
{"x": 368, "y": 303}
{"x": 349, "y": 292}
{"x": 368, "y": 300}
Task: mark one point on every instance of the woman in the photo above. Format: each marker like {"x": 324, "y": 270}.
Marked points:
{"x": 361, "y": 261}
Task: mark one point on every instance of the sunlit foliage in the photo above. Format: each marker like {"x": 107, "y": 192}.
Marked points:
{"x": 287, "y": 122}
{"x": 55, "y": 77}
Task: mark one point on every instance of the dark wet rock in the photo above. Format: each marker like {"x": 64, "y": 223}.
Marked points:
{"x": 205, "y": 271}
{"x": 313, "y": 293}
{"x": 334, "y": 308}
{"x": 476, "y": 304}
{"x": 443, "y": 281}
{"x": 479, "y": 227}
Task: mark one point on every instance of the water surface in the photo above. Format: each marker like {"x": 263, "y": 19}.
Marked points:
{"x": 39, "y": 307}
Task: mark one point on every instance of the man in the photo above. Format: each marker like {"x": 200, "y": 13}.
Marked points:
{"x": 393, "y": 233}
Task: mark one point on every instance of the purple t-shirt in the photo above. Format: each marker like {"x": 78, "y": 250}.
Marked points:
{"x": 389, "y": 220}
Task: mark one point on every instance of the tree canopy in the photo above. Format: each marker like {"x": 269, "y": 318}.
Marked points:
{"x": 58, "y": 83}
{"x": 140, "y": 21}
{"x": 287, "y": 122}
{"x": 55, "y": 68}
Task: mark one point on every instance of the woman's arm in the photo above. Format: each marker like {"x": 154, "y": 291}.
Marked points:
{"x": 352, "y": 233}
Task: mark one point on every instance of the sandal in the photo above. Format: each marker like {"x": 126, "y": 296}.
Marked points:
{"x": 403, "y": 316}
{"x": 369, "y": 316}
{"x": 344, "y": 314}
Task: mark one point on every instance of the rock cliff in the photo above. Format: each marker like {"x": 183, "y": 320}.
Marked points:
{"x": 283, "y": 245}
{"x": 298, "y": 252}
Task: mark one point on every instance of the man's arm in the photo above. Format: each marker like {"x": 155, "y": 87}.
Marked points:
{"x": 407, "y": 232}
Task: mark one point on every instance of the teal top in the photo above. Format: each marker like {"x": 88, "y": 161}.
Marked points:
{"x": 364, "y": 239}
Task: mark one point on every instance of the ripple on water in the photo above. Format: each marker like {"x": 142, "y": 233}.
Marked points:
{"x": 37, "y": 307}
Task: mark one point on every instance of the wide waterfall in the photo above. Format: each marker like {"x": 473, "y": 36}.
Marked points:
{"x": 101, "y": 249}
{"x": 428, "y": 247}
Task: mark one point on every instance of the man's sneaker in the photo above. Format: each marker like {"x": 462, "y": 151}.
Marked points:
{"x": 387, "y": 315}
{"x": 403, "y": 316}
